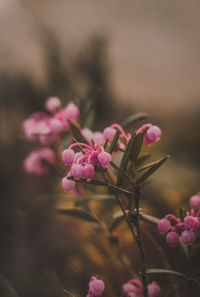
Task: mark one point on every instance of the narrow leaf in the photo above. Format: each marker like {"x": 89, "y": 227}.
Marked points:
{"x": 77, "y": 133}
{"x": 151, "y": 170}
{"x": 124, "y": 161}
{"x": 68, "y": 294}
{"x": 119, "y": 190}
{"x": 117, "y": 219}
{"x": 142, "y": 160}
{"x": 133, "y": 119}
{"x": 114, "y": 142}
{"x": 149, "y": 219}
{"x": 78, "y": 213}
{"x": 166, "y": 271}
{"x": 136, "y": 147}
{"x": 150, "y": 165}
{"x": 101, "y": 198}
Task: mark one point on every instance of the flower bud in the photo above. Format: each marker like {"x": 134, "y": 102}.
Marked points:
{"x": 128, "y": 288}
{"x": 96, "y": 286}
{"x": 191, "y": 223}
{"x": 195, "y": 201}
{"x": 67, "y": 184}
{"x": 152, "y": 135}
{"x": 52, "y": 104}
{"x": 77, "y": 171}
{"x": 71, "y": 111}
{"x": 153, "y": 289}
{"x": 104, "y": 159}
{"x": 68, "y": 157}
{"x": 109, "y": 133}
{"x": 88, "y": 171}
{"x": 164, "y": 226}
{"x": 188, "y": 237}
{"x": 172, "y": 239}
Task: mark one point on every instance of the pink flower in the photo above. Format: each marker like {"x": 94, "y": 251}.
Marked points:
{"x": 172, "y": 239}
{"x": 34, "y": 163}
{"x": 104, "y": 159}
{"x": 52, "y": 104}
{"x": 68, "y": 157}
{"x": 164, "y": 226}
{"x": 71, "y": 111}
{"x": 96, "y": 286}
{"x": 191, "y": 223}
{"x": 77, "y": 171}
{"x": 109, "y": 133}
{"x": 152, "y": 134}
{"x": 195, "y": 201}
{"x": 188, "y": 237}
{"x": 153, "y": 289}
{"x": 67, "y": 184}
{"x": 88, "y": 171}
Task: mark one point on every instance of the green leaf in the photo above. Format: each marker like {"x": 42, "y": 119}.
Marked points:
{"x": 78, "y": 213}
{"x": 91, "y": 182}
{"x": 77, "y": 133}
{"x": 133, "y": 119}
{"x": 124, "y": 161}
{"x": 142, "y": 160}
{"x": 152, "y": 170}
{"x": 149, "y": 219}
{"x": 119, "y": 190}
{"x": 101, "y": 198}
{"x": 118, "y": 218}
{"x": 114, "y": 142}
{"x": 167, "y": 272}
{"x": 184, "y": 248}
{"x": 68, "y": 294}
{"x": 150, "y": 165}
{"x": 136, "y": 147}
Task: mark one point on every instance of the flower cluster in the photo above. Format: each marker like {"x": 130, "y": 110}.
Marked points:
{"x": 37, "y": 161}
{"x": 96, "y": 287}
{"x": 186, "y": 229}
{"x": 82, "y": 163}
{"x": 134, "y": 288}
{"x": 47, "y": 127}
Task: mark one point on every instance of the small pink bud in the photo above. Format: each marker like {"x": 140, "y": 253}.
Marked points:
{"x": 53, "y": 104}
{"x": 164, "y": 226}
{"x": 152, "y": 135}
{"x": 98, "y": 138}
{"x": 188, "y": 237}
{"x": 109, "y": 133}
{"x": 88, "y": 171}
{"x": 71, "y": 111}
{"x": 128, "y": 288}
{"x": 68, "y": 157}
{"x": 172, "y": 239}
{"x": 56, "y": 125}
{"x": 153, "y": 289}
{"x": 191, "y": 223}
{"x": 77, "y": 156}
{"x": 96, "y": 286}
{"x": 67, "y": 184}
{"x": 104, "y": 159}
{"x": 179, "y": 228}
{"x": 77, "y": 171}
{"x": 195, "y": 201}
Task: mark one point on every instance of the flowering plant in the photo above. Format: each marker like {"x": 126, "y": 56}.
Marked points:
{"x": 111, "y": 160}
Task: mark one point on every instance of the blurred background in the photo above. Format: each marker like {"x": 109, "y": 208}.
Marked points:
{"x": 144, "y": 56}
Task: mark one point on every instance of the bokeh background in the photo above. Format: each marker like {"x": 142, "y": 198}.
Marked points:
{"x": 144, "y": 56}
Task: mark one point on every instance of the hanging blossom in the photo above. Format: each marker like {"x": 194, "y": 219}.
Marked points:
{"x": 96, "y": 287}
{"x": 186, "y": 229}
{"x": 134, "y": 288}
{"x": 37, "y": 161}
{"x": 82, "y": 163}
{"x": 152, "y": 134}
{"x": 46, "y": 128}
